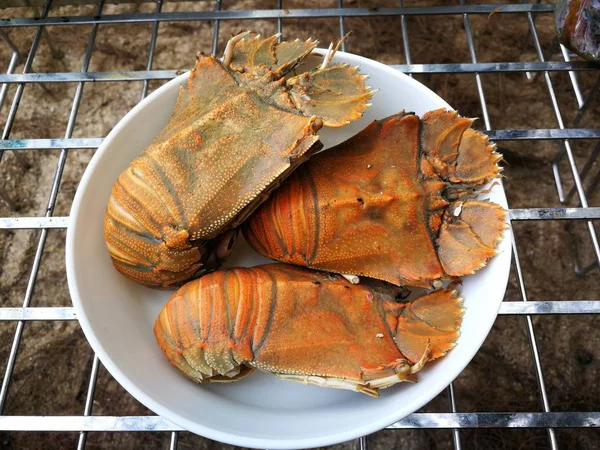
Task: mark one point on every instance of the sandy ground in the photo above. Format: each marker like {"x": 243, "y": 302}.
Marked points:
{"x": 54, "y": 360}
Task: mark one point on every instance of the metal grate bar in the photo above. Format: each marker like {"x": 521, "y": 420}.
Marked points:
{"x": 591, "y": 213}
{"x": 40, "y": 313}
{"x": 573, "y": 76}
{"x": 471, "y": 45}
{"x": 133, "y": 75}
{"x": 496, "y": 135}
{"x": 71, "y": 77}
{"x": 405, "y": 42}
{"x": 499, "y": 420}
{"x": 174, "y": 440}
{"x": 529, "y": 323}
{"x": 452, "y": 421}
{"x": 159, "y": 5}
{"x": 279, "y": 23}
{"x": 508, "y": 307}
{"x": 89, "y": 400}
{"x": 533, "y": 343}
{"x": 14, "y": 59}
{"x": 416, "y": 420}
{"x": 494, "y": 67}
{"x": 550, "y": 307}
{"x": 567, "y": 146}
{"x": 452, "y": 404}
{"x": 47, "y": 144}
{"x": 26, "y": 223}
{"x": 543, "y": 134}
{"x": 342, "y": 33}
{"x": 554, "y": 213}
{"x": 215, "y": 41}
{"x": 275, "y": 14}
{"x": 38, "y": 254}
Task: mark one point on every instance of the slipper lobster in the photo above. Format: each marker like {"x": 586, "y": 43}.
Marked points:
{"x": 304, "y": 326}
{"x": 396, "y": 202}
{"x": 172, "y": 213}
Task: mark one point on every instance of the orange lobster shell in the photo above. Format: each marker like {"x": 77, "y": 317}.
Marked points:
{"x": 395, "y": 202}
{"x": 239, "y": 128}
{"x": 304, "y": 326}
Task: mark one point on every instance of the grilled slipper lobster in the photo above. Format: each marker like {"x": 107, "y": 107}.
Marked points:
{"x": 172, "y": 213}
{"x": 304, "y": 326}
{"x": 396, "y": 202}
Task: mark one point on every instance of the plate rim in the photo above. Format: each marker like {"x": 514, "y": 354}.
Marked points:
{"x": 174, "y": 417}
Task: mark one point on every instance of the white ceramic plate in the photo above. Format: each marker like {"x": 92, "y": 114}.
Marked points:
{"x": 261, "y": 411}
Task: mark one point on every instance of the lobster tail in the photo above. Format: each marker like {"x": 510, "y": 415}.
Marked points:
{"x": 458, "y": 153}
{"x": 141, "y": 249}
{"x": 285, "y": 230}
{"x": 430, "y": 324}
{"x": 172, "y": 330}
{"x": 338, "y": 94}
{"x": 247, "y": 50}
{"x": 206, "y": 328}
{"x": 469, "y": 235}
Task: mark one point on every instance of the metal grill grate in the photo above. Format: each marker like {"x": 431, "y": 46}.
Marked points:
{"x": 577, "y": 194}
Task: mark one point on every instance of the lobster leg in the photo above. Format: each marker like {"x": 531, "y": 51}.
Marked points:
{"x": 403, "y": 372}
{"x": 237, "y": 374}
{"x": 335, "y": 383}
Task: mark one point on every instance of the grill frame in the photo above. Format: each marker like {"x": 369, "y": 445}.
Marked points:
{"x": 452, "y": 420}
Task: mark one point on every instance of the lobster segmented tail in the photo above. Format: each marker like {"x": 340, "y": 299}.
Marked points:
{"x": 212, "y": 326}
{"x": 151, "y": 254}
{"x": 466, "y": 160}
{"x": 286, "y": 228}
{"x": 430, "y": 324}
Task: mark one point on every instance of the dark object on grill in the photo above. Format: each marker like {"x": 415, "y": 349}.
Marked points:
{"x": 578, "y": 26}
